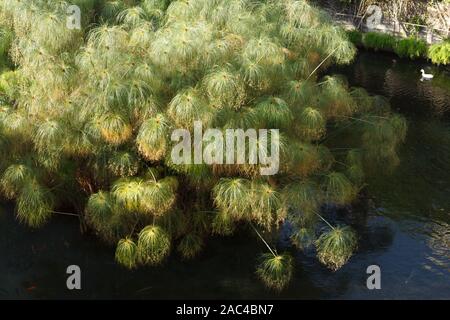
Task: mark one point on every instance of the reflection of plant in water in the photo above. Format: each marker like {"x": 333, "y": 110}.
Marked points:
{"x": 435, "y": 92}
{"x": 87, "y": 117}
{"x": 411, "y": 48}
{"x": 379, "y": 41}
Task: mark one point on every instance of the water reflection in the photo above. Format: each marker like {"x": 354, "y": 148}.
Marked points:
{"x": 417, "y": 195}
{"x": 400, "y": 81}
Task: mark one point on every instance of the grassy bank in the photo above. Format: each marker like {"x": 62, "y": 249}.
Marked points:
{"x": 412, "y": 48}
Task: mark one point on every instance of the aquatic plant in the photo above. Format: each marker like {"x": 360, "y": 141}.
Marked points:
{"x": 379, "y": 41}
{"x": 86, "y": 117}
{"x": 232, "y": 196}
{"x": 153, "y": 245}
{"x": 126, "y": 253}
{"x": 356, "y": 37}
{"x": 439, "y": 53}
{"x": 275, "y": 270}
{"x": 411, "y": 48}
{"x": 336, "y": 246}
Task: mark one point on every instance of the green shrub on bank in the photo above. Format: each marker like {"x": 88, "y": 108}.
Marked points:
{"x": 412, "y": 48}
{"x": 379, "y": 41}
{"x": 355, "y": 37}
{"x": 5, "y": 44}
{"x": 439, "y": 53}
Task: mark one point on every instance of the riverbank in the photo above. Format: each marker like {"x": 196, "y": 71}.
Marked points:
{"x": 411, "y": 48}
{"x": 380, "y": 28}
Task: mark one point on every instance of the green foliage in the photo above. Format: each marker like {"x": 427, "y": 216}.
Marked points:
{"x": 335, "y": 100}
{"x": 303, "y": 159}
{"x": 175, "y": 222}
{"x": 187, "y": 107}
{"x": 6, "y": 37}
{"x": 153, "y": 245}
{"x": 114, "y": 128}
{"x": 265, "y": 204}
{"x": 123, "y": 164}
{"x": 224, "y": 88}
{"x": 439, "y": 53}
{"x": 273, "y": 113}
{"x": 34, "y": 204}
{"x": 355, "y": 168}
{"x": 379, "y": 41}
{"x": 336, "y": 246}
{"x": 312, "y": 124}
{"x": 14, "y": 178}
{"x": 126, "y": 253}
{"x": 190, "y": 245}
{"x": 355, "y": 37}
{"x": 304, "y": 196}
{"x": 5, "y": 41}
{"x": 152, "y": 138}
{"x": 411, "y": 48}
{"x": 338, "y": 189}
{"x": 99, "y": 209}
{"x": 159, "y": 196}
{"x": 128, "y": 193}
{"x": 275, "y": 271}
{"x": 233, "y": 197}
{"x": 9, "y": 84}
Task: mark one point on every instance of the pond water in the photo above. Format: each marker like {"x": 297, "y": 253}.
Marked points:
{"x": 405, "y": 229}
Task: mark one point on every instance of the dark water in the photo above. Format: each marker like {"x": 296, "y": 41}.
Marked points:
{"x": 405, "y": 230}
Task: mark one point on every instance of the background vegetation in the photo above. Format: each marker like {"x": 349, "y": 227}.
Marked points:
{"x": 410, "y": 13}
{"x": 439, "y": 53}
{"x": 411, "y": 47}
{"x": 379, "y": 41}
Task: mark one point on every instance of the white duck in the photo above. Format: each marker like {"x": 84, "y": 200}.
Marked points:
{"x": 426, "y": 76}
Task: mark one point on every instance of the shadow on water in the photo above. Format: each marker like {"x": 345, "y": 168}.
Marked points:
{"x": 33, "y": 265}
{"x": 404, "y": 228}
